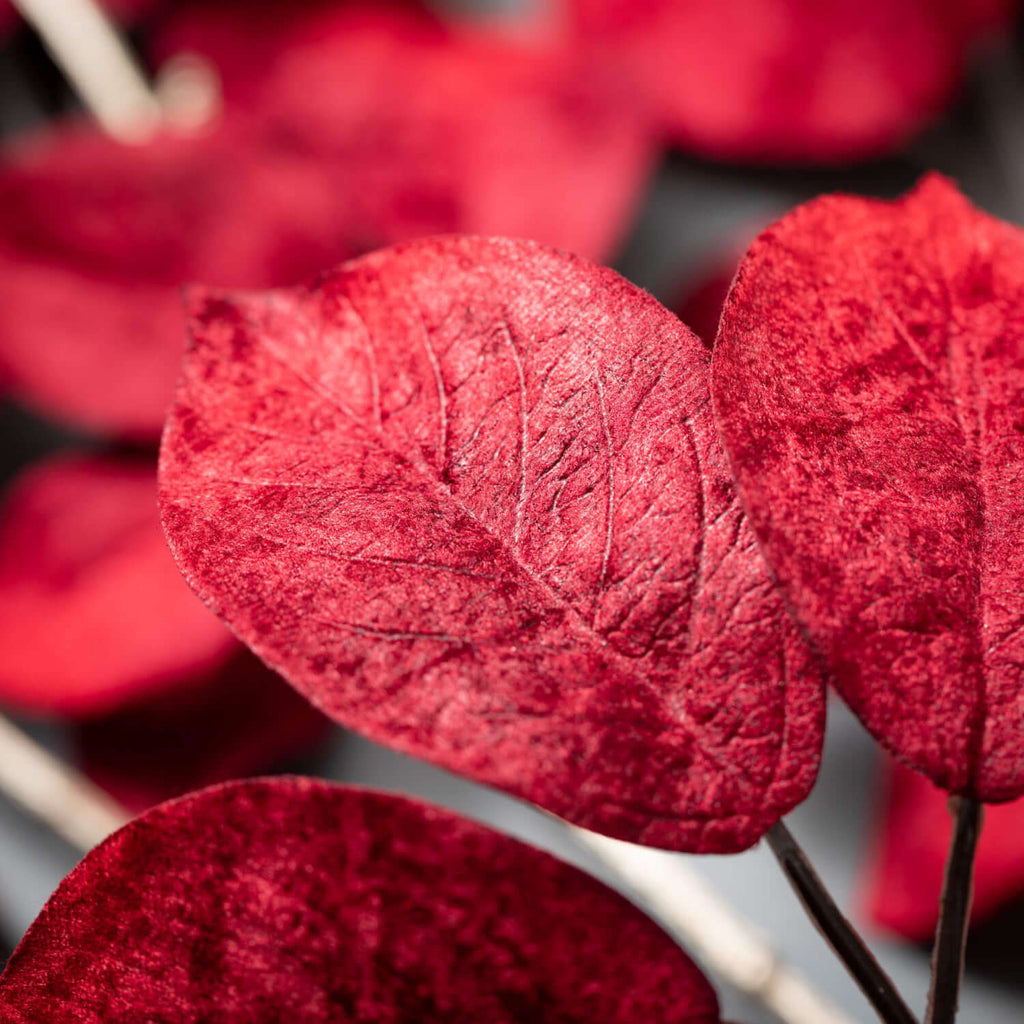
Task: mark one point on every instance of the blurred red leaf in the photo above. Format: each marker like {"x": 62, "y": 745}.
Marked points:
{"x": 785, "y": 81}
{"x": 294, "y": 900}
{"x": 93, "y": 611}
{"x": 236, "y": 719}
{"x": 515, "y": 142}
{"x": 96, "y": 621}
{"x": 904, "y": 877}
{"x": 379, "y": 128}
{"x": 869, "y": 387}
{"x": 96, "y": 239}
{"x": 701, "y": 306}
{"x": 467, "y": 496}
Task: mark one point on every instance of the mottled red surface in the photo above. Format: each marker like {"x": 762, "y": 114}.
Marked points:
{"x": 785, "y": 81}
{"x": 93, "y": 611}
{"x": 467, "y": 496}
{"x": 294, "y": 900}
{"x": 869, "y": 387}
{"x": 903, "y": 878}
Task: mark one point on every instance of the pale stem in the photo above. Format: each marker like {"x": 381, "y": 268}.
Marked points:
{"x": 54, "y": 792}
{"x": 96, "y": 61}
{"x": 730, "y": 947}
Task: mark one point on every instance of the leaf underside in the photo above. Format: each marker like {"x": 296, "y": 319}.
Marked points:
{"x": 869, "y": 388}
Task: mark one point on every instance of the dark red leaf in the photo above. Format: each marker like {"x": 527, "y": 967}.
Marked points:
{"x": 236, "y": 719}
{"x": 869, "y": 387}
{"x": 467, "y": 496}
{"x": 904, "y": 877}
{"x": 93, "y": 611}
{"x": 787, "y": 80}
{"x": 294, "y": 900}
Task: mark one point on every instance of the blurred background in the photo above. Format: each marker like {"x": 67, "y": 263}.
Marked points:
{"x": 257, "y": 143}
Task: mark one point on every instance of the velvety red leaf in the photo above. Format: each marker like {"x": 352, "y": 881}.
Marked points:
{"x": 869, "y": 388}
{"x": 93, "y": 611}
{"x": 787, "y": 80}
{"x": 234, "y": 720}
{"x": 467, "y": 496}
{"x": 904, "y": 877}
{"x": 294, "y": 900}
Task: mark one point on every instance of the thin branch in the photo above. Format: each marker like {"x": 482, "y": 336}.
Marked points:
{"x": 951, "y": 933}
{"x": 54, "y": 792}
{"x": 726, "y": 944}
{"x": 91, "y": 53}
{"x": 837, "y": 930}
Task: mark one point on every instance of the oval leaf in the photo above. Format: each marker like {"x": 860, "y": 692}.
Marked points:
{"x": 467, "y": 496}
{"x": 869, "y": 387}
{"x": 93, "y": 612}
{"x": 295, "y": 900}
{"x": 783, "y": 81}
{"x": 903, "y": 883}
{"x": 235, "y": 720}
{"x": 373, "y": 125}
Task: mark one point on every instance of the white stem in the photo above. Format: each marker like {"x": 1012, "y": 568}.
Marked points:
{"x": 54, "y": 792}
{"x": 727, "y": 945}
{"x": 89, "y": 50}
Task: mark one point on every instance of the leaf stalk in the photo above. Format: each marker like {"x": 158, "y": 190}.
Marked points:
{"x": 837, "y": 931}
{"x": 954, "y": 912}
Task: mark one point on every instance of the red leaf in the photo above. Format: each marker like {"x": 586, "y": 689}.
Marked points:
{"x": 237, "y": 719}
{"x": 93, "y": 612}
{"x": 504, "y": 141}
{"x": 376, "y": 129}
{"x": 784, "y": 81}
{"x": 466, "y": 495}
{"x": 904, "y": 878}
{"x": 96, "y": 239}
{"x": 868, "y": 382}
{"x": 294, "y": 900}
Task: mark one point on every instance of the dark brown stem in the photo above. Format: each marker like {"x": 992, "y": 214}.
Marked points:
{"x": 837, "y": 930}
{"x": 954, "y": 910}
